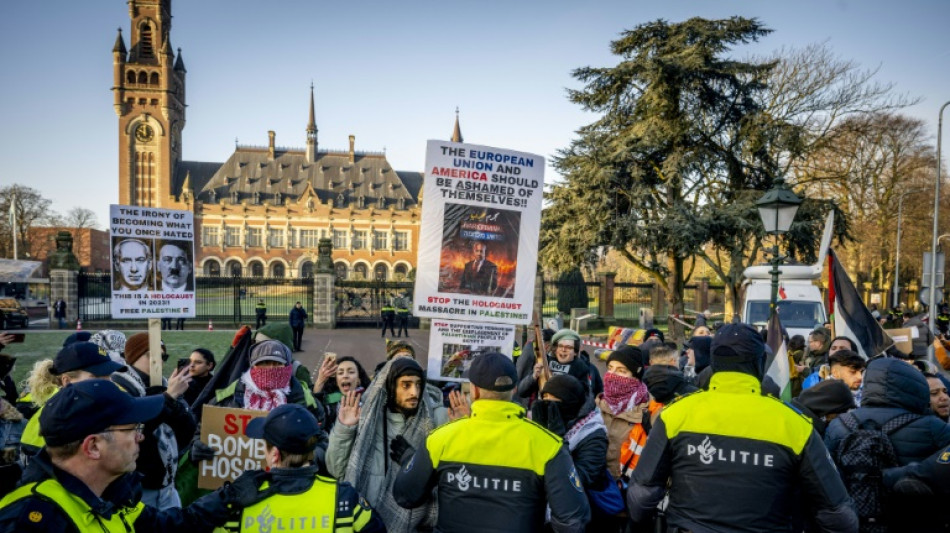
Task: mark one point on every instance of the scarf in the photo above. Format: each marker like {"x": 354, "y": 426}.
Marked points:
{"x": 266, "y": 387}
{"x": 622, "y": 393}
{"x": 584, "y": 427}
{"x": 372, "y": 429}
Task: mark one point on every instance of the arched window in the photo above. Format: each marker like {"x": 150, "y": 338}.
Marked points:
{"x": 257, "y": 269}
{"x": 360, "y": 271}
{"x": 154, "y": 79}
{"x": 234, "y": 268}
{"x": 212, "y": 268}
{"x": 341, "y": 271}
{"x": 277, "y": 270}
{"x": 381, "y": 272}
{"x": 306, "y": 270}
{"x": 400, "y": 272}
{"x": 130, "y": 77}
{"x": 143, "y": 78}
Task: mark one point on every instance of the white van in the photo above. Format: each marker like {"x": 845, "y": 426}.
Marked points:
{"x": 800, "y": 305}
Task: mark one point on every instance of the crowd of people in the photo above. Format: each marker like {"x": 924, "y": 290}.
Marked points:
{"x": 670, "y": 438}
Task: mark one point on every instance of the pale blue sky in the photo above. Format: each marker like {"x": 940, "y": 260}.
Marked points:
{"x": 390, "y": 73}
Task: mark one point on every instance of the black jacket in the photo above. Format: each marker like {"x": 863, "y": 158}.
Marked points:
{"x": 580, "y": 368}
{"x": 298, "y": 317}
{"x": 667, "y": 383}
{"x": 891, "y": 388}
{"x": 590, "y": 453}
{"x": 36, "y": 514}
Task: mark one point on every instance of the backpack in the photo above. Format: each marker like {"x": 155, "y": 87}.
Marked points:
{"x": 862, "y": 457}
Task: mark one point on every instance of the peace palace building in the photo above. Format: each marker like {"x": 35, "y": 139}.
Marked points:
{"x": 261, "y": 212}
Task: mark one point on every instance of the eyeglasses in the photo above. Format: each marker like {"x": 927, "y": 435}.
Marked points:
{"x": 138, "y": 428}
{"x": 568, "y": 345}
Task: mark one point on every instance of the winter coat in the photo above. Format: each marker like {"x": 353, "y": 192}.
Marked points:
{"x": 580, "y": 368}
{"x": 618, "y": 431}
{"x": 298, "y": 317}
{"x": 666, "y": 383}
{"x": 587, "y": 441}
{"x": 233, "y": 396}
{"x": 891, "y": 388}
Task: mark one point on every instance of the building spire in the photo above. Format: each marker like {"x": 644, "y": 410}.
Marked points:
{"x": 311, "y": 132}
{"x": 119, "y": 47}
{"x": 457, "y": 131}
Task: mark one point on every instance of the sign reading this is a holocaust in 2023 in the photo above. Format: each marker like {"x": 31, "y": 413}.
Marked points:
{"x": 153, "y": 262}
{"x": 478, "y": 243}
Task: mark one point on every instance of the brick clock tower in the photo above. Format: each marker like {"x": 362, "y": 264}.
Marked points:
{"x": 149, "y": 98}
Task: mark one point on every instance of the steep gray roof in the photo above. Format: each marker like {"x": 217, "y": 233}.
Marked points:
{"x": 200, "y": 173}
{"x": 250, "y": 174}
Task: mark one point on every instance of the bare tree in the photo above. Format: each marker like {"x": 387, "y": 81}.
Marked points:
{"x": 31, "y": 210}
{"x": 80, "y": 218}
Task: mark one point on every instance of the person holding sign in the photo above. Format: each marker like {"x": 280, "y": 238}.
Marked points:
{"x": 300, "y": 497}
{"x": 495, "y": 470}
{"x": 480, "y": 275}
{"x": 132, "y": 266}
{"x": 84, "y": 479}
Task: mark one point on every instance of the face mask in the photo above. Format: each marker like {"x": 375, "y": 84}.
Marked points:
{"x": 271, "y": 377}
{"x": 548, "y": 414}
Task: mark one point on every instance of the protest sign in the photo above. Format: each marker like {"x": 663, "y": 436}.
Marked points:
{"x": 453, "y": 345}
{"x": 903, "y": 338}
{"x": 478, "y": 243}
{"x": 153, "y": 274}
{"x": 223, "y": 428}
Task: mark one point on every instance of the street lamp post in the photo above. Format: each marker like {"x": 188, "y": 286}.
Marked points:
{"x": 777, "y": 208}
{"x": 897, "y": 255}
{"x": 932, "y": 303}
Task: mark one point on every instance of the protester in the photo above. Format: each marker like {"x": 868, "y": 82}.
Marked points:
{"x": 200, "y": 366}
{"x": 335, "y": 378}
{"x": 848, "y": 366}
{"x": 819, "y": 341}
{"x": 515, "y": 465}
{"x": 733, "y": 458}
{"x": 893, "y": 388}
{"x": 84, "y": 480}
{"x": 796, "y": 367}
{"x": 165, "y": 434}
{"x": 113, "y": 342}
{"x": 623, "y": 406}
{"x": 924, "y": 338}
{"x": 939, "y": 400}
{"x": 75, "y": 362}
{"x": 842, "y": 343}
{"x": 298, "y": 320}
{"x": 396, "y": 404}
{"x": 665, "y": 380}
{"x": 697, "y": 358}
{"x": 824, "y": 402}
{"x": 566, "y": 360}
{"x": 281, "y": 331}
{"x": 296, "y": 493}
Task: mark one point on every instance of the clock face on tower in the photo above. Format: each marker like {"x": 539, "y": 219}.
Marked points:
{"x": 144, "y": 133}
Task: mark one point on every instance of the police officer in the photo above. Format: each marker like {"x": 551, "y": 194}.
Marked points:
{"x": 388, "y": 315}
{"x": 85, "y": 480}
{"x": 402, "y": 311}
{"x": 943, "y": 320}
{"x": 261, "y": 311}
{"x": 495, "y": 470}
{"x": 298, "y": 497}
{"x": 733, "y": 458}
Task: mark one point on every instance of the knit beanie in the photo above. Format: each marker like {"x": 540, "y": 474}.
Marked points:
{"x": 394, "y": 347}
{"x": 630, "y": 357}
{"x": 571, "y": 393}
{"x": 399, "y": 367}
{"x": 826, "y": 397}
{"x": 565, "y": 334}
{"x": 135, "y": 347}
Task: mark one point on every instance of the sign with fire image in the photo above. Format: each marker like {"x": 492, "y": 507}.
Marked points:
{"x": 478, "y": 244}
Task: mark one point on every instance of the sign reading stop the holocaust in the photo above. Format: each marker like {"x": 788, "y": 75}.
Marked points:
{"x": 453, "y": 345}
{"x": 223, "y": 429}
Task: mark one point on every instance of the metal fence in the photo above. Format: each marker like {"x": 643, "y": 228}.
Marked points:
{"x": 358, "y": 303}
{"x": 224, "y": 299}
{"x": 551, "y": 289}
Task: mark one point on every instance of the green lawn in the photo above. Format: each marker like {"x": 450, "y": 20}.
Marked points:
{"x": 45, "y": 344}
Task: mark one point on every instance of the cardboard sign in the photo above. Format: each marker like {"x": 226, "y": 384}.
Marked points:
{"x": 453, "y": 345}
{"x": 903, "y": 338}
{"x": 222, "y": 428}
{"x": 153, "y": 262}
{"x": 478, "y": 243}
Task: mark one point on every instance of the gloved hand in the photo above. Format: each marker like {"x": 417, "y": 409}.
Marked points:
{"x": 400, "y": 450}
{"x": 245, "y": 490}
{"x": 201, "y": 452}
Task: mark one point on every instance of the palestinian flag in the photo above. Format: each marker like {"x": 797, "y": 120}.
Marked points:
{"x": 776, "y": 367}
{"x": 849, "y": 316}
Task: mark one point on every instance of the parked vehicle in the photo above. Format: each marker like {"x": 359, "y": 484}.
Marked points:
{"x": 13, "y": 315}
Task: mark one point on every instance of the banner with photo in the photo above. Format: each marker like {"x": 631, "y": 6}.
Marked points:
{"x": 478, "y": 242}
{"x": 153, "y": 262}
{"x": 453, "y": 345}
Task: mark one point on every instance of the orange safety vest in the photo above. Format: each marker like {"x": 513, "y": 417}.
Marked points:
{"x": 631, "y": 449}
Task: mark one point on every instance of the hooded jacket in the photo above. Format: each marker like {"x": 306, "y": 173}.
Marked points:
{"x": 666, "y": 383}
{"x": 891, "y": 388}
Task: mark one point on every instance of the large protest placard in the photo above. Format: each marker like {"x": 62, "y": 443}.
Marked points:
{"x": 453, "y": 345}
{"x": 223, "y": 429}
{"x": 478, "y": 243}
{"x": 153, "y": 251}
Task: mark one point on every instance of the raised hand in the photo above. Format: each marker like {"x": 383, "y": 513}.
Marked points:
{"x": 349, "y": 413}
{"x": 458, "y": 405}
{"x": 178, "y": 382}
{"x": 325, "y": 371}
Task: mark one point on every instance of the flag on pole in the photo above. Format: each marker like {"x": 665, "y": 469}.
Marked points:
{"x": 848, "y": 314}
{"x": 777, "y": 366}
